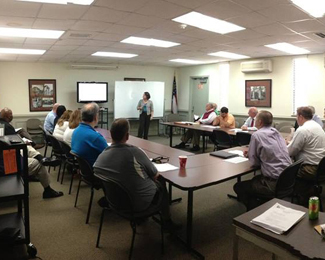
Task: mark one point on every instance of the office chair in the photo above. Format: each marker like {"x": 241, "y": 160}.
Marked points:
{"x": 243, "y": 138}
{"x": 122, "y": 204}
{"x": 46, "y": 139}
{"x": 57, "y": 151}
{"x": 87, "y": 176}
{"x": 221, "y": 139}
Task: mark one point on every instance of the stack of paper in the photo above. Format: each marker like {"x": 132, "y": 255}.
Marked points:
{"x": 236, "y": 130}
{"x": 238, "y": 152}
{"x": 278, "y": 218}
{"x": 164, "y": 167}
{"x": 236, "y": 160}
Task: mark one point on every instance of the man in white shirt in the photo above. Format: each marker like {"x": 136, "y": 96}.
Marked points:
{"x": 308, "y": 143}
{"x": 250, "y": 121}
{"x": 206, "y": 119}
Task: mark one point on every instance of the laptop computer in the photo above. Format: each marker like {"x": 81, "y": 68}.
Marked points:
{"x": 223, "y": 154}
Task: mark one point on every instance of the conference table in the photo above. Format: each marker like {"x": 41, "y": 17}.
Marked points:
{"x": 201, "y": 171}
{"x": 204, "y": 130}
{"x": 299, "y": 242}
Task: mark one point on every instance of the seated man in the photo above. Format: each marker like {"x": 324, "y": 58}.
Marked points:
{"x": 86, "y": 141}
{"x": 316, "y": 118}
{"x": 49, "y": 119}
{"x": 206, "y": 119}
{"x": 225, "y": 120}
{"x": 250, "y": 121}
{"x": 130, "y": 166}
{"x": 36, "y": 162}
{"x": 268, "y": 150}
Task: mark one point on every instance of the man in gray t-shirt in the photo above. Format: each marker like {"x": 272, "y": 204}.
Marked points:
{"x": 130, "y": 166}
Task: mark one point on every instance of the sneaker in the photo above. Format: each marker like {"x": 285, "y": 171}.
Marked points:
{"x": 50, "y": 161}
{"x": 171, "y": 227}
{"x": 181, "y": 145}
{"x": 195, "y": 148}
{"x": 50, "y": 193}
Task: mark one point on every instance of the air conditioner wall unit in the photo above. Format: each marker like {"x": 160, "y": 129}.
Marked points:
{"x": 256, "y": 66}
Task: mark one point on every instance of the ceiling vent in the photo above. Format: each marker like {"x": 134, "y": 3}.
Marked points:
{"x": 320, "y": 35}
{"x": 256, "y": 66}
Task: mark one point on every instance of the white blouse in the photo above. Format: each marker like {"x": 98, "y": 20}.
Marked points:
{"x": 67, "y": 136}
{"x": 59, "y": 130}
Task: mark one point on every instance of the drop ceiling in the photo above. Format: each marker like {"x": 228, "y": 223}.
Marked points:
{"x": 102, "y": 25}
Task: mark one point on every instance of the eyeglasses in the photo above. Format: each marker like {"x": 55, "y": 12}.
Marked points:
{"x": 160, "y": 160}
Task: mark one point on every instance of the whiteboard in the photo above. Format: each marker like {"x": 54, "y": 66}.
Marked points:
{"x": 128, "y": 94}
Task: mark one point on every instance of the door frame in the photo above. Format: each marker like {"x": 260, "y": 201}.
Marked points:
{"x": 190, "y": 113}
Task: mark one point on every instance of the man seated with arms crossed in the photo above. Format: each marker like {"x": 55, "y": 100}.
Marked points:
{"x": 130, "y": 166}
{"x": 308, "y": 143}
{"x": 206, "y": 119}
{"x": 250, "y": 121}
{"x": 49, "y": 119}
{"x": 225, "y": 120}
{"x": 86, "y": 142}
{"x": 268, "y": 150}
{"x": 36, "y": 162}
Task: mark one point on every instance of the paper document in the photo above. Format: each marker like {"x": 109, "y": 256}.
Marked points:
{"x": 238, "y": 152}
{"x": 165, "y": 167}
{"x": 26, "y": 140}
{"x": 196, "y": 117}
{"x": 278, "y": 218}
{"x": 184, "y": 123}
{"x": 210, "y": 126}
{"x": 17, "y": 129}
{"x": 236, "y": 130}
{"x": 236, "y": 160}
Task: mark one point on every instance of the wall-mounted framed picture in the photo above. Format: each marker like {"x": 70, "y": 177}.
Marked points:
{"x": 42, "y": 94}
{"x": 134, "y": 79}
{"x": 258, "y": 93}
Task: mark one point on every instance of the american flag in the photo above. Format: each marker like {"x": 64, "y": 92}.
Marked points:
{"x": 174, "y": 98}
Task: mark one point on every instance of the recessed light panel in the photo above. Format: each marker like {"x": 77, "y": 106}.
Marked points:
{"x": 114, "y": 54}
{"x": 149, "y": 42}
{"x": 288, "y": 48}
{"x": 187, "y": 61}
{"x": 30, "y": 33}
{"x": 208, "y": 23}
{"x": 315, "y": 8}
{"x": 61, "y": 2}
{"x": 22, "y": 51}
{"x": 228, "y": 55}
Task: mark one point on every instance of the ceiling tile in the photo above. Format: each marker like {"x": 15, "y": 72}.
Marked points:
{"x": 141, "y": 21}
{"x": 40, "y": 41}
{"x": 122, "y": 5}
{"x": 260, "y": 4}
{"x": 223, "y": 9}
{"x": 272, "y": 29}
{"x": 8, "y": 57}
{"x": 64, "y": 47}
{"x": 104, "y": 15}
{"x": 122, "y": 29}
{"x": 37, "y": 46}
{"x": 150, "y": 33}
{"x": 306, "y": 26}
{"x": 29, "y": 58}
{"x": 250, "y": 20}
{"x": 70, "y": 42}
{"x": 49, "y": 24}
{"x": 110, "y": 37}
{"x": 17, "y": 22}
{"x": 78, "y": 35}
{"x": 190, "y": 3}
{"x": 162, "y": 9}
{"x": 12, "y": 40}
{"x": 90, "y": 26}
{"x": 284, "y": 13}
{"x": 16, "y": 8}
{"x": 97, "y": 43}
{"x": 67, "y": 12}
{"x": 246, "y": 34}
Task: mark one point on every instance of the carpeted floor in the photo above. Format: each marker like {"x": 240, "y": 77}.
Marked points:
{"x": 59, "y": 232}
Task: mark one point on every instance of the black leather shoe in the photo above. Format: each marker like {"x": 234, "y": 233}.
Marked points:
{"x": 195, "y": 148}
{"x": 181, "y": 145}
{"x": 50, "y": 161}
{"x": 50, "y": 193}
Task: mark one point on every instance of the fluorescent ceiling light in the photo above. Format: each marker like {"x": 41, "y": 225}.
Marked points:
{"x": 315, "y": 8}
{"x": 114, "y": 54}
{"x": 287, "y": 47}
{"x": 149, "y": 42}
{"x": 187, "y": 61}
{"x": 22, "y": 51}
{"x": 208, "y": 23}
{"x": 228, "y": 55}
{"x": 61, "y": 2}
{"x": 30, "y": 33}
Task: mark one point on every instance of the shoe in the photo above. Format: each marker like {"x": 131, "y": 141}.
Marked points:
{"x": 181, "y": 145}
{"x": 171, "y": 227}
{"x": 50, "y": 193}
{"x": 195, "y": 148}
{"x": 50, "y": 161}
{"x": 102, "y": 202}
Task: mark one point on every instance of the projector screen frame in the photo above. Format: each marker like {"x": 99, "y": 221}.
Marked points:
{"x": 89, "y": 101}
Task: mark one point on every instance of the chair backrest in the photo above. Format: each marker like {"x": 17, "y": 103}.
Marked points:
{"x": 243, "y": 138}
{"x": 287, "y": 180}
{"x": 320, "y": 175}
{"x": 282, "y": 124}
{"x": 45, "y": 135}
{"x": 66, "y": 149}
{"x": 86, "y": 170}
{"x": 33, "y": 124}
{"x": 173, "y": 118}
{"x": 56, "y": 146}
{"x": 236, "y": 124}
{"x": 221, "y": 137}
{"x": 117, "y": 196}
{"x": 285, "y": 129}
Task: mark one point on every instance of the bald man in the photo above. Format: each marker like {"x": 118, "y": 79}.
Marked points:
{"x": 49, "y": 120}
{"x": 250, "y": 121}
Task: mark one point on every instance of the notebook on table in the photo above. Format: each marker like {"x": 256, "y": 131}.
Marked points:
{"x": 223, "y": 154}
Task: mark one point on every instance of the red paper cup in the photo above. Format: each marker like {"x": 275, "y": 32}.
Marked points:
{"x": 182, "y": 161}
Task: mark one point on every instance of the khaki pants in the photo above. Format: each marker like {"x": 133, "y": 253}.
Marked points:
{"x": 195, "y": 135}
{"x": 35, "y": 168}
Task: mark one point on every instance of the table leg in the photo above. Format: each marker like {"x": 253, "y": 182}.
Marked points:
{"x": 170, "y": 191}
{"x": 170, "y": 136}
{"x": 203, "y": 148}
{"x": 230, "y": 196}
{"x": 235, "y": 248}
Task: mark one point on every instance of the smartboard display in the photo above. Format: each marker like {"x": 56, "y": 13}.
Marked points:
{"x": 128, "y": 94}
{"x": 92, "y": 92}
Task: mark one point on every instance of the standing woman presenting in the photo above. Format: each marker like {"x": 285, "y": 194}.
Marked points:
{"x": 145, "y": 107}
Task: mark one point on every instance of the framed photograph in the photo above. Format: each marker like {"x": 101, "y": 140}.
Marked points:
{"x": 134, "y": 79}
{"x": 42, "y": 94}
{"x": 258, "y": 93}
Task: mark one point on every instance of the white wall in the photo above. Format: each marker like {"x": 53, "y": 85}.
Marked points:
{"x": 14, "y": 82}
{"x": 281, "y": 85}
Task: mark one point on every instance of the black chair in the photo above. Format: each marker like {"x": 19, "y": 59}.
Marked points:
{"x": 68, "y": 160}
{"x": 57, "y": 151}
{"x": 243, "y": 138}
{"x": 46, "y": 139}
{"x": 121, "y": 203}
{"x": 221, "y": 139}
{"x": 87, "y": 176}
{"x": 285, "y": 183}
